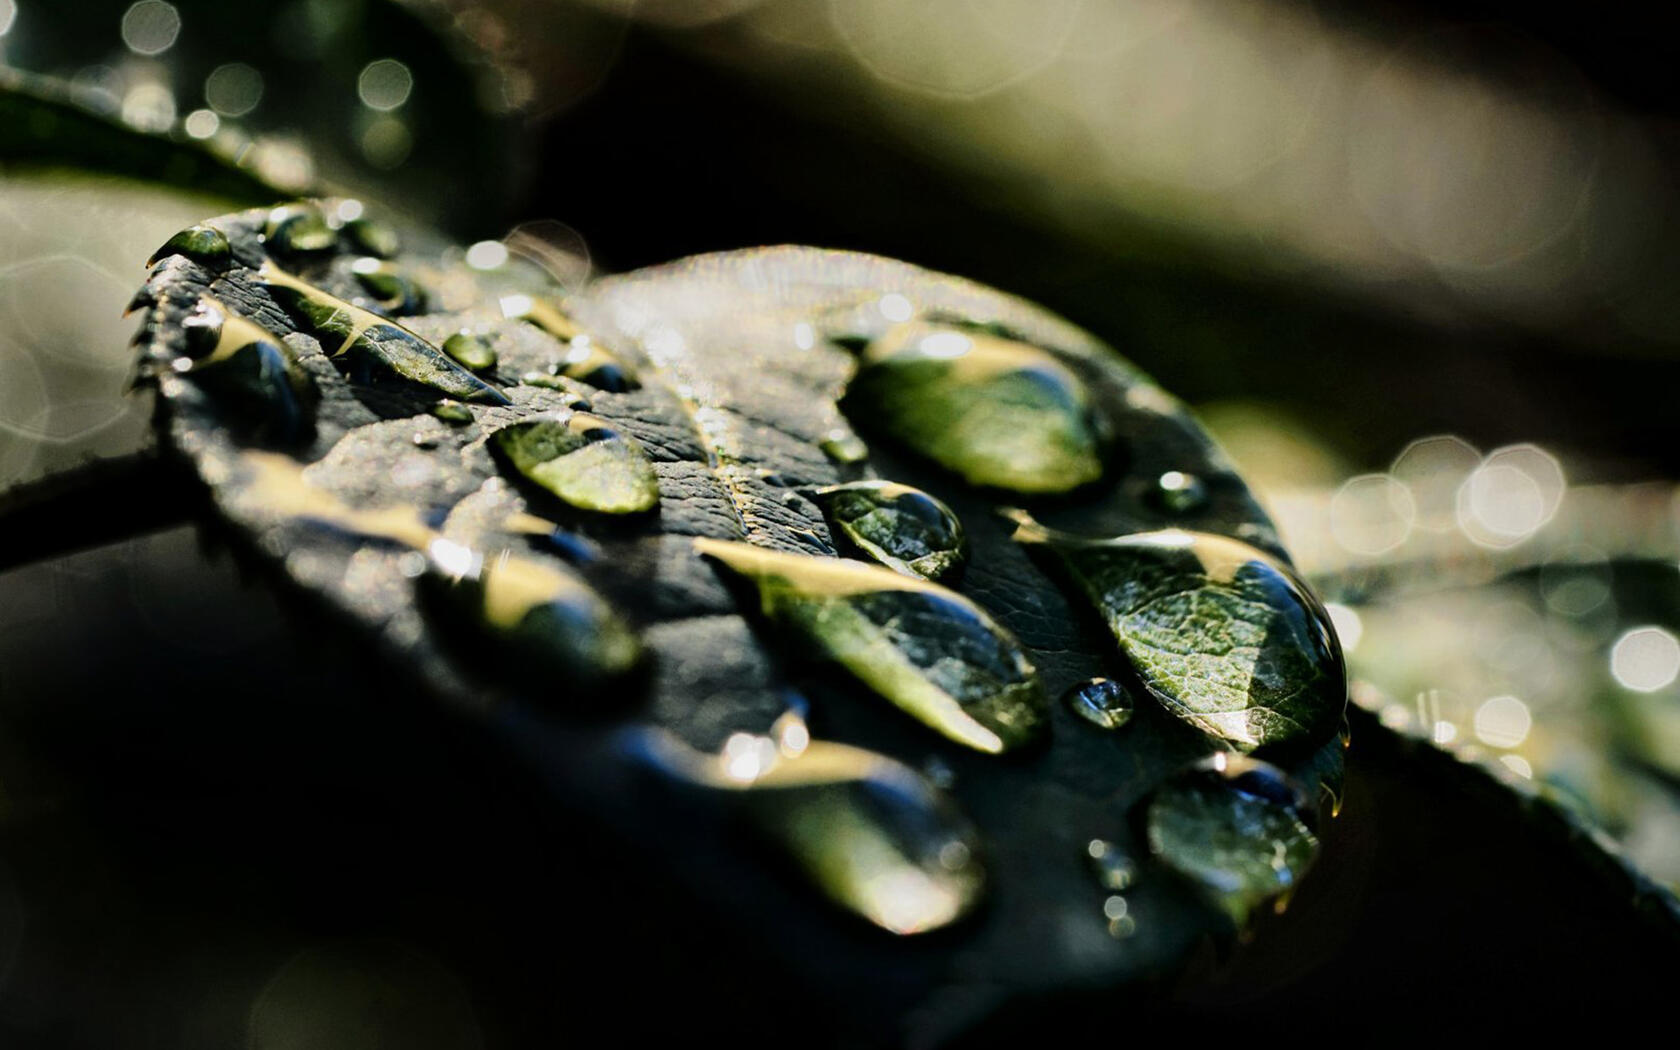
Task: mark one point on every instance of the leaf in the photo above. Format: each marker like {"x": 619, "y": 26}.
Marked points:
{"x": 1520, "y": 696}
{"x": 730, "y": 374}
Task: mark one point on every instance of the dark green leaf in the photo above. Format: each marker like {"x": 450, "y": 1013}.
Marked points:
{"x": 716, "y": 370}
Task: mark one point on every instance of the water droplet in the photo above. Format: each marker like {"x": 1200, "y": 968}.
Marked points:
{"x": 1180, "y": 493}
{"x": 932, "y": 652}
{"x": 1102, "y": 702}
{"x": 585, "y": 360}
{"x": 552, "y": 627}
{"x": 588, "y": 363}
{"x": 294, "y": 229}
{"x": 371, "y": 238}
{"x": 390, "y": 286}
{"x": 471, "y": 350}
{"x": 371, "y": 348}
{"x": 999, "y": 412}
{"x": 203, "y": 244}
{"x": 1225, "y": 636}
{"x": 238, "y": 361}
{"x": 452, "y": 412}
{"x": 1113, "y": 869}
{"x": 1234, "y": 829}
{"x": 873, "y": 835}
{"x": 901, "y": 527}
{"x": 544, "y": 380}
{"x": 844, "y": 447}
{"x": 583, "y": 461}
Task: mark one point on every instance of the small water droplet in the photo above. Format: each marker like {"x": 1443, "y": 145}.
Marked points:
{"x": 296, "y": 229}
{"x": 601, "y": 369}
{"x": 1180, "y": 493}
{"x": 424, "y": 441}
{"x": 928, "y": 650}
{"x": 998, "y": 412}
{"x": 582, "y": 460}
{"x": 1234, "y": 829}
{"x": 471, "y": 350}
{"x": 1113, "y": 869}
{"x": 544, "y": 380}
{"x": 372, "y": 238}
{"x": 1224, "y": 635}
{"x": 390, "y": 286}
{"x": 452, "y": 412}
{"x": 202, "y": 243}
{"x": 844, "y": 447}
{"x": 1102, "y": 702}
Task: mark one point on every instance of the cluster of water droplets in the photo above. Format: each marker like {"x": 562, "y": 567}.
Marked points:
{"x": 1212, "y": 631}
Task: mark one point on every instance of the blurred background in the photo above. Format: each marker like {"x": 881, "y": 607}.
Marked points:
{"x": 1415, "y": 263}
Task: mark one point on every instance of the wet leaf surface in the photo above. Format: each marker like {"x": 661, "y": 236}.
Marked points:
{"x": 730, "y": 374}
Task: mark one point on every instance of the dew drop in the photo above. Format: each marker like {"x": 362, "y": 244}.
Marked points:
{"x": 296, "y": 229}
{"x": 1222, "y": 634}
{"x": 874, "y": 836}
{"x": 582, "y": 461}
{"x": 202, "y": 244}
{"x": 371, "y": 238}
{"x": 998, "y": 412}
{"x": 452, "y": 412}
{"x": 588, "y": 363}
{"x": 1233, "y": 828}
{"x": 844, "y": 447}
{"x": 238, "y": 361}
{"x": 389, "y": 285}
{"x": 928, "y": 650}
{"x": 1102, "y": 702}
{"x": 550, "y": 626}
{"x": 470, "y": 350}
{"x": 900, "y": 527}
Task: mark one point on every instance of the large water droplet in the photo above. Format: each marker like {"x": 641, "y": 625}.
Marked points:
{"x": 549, "y": 626}
{"x": 930, "y": 651}
{"x": 295, "y": 229}
{"x": 203, "y": 244}
{"x": 1224, "y": 635}
{"x": 1234, "y": 829}
{"x": 471, "y": 350}
{"x": 583, "y": 461}
{"x": 901, "y": 527}
{"x": 999, "y": 412}
{"x": 873, "y": 835}
{"x": 371, "y": 348}
{"x": 238, "y": 361}
{"x": 1102, "y": 702}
